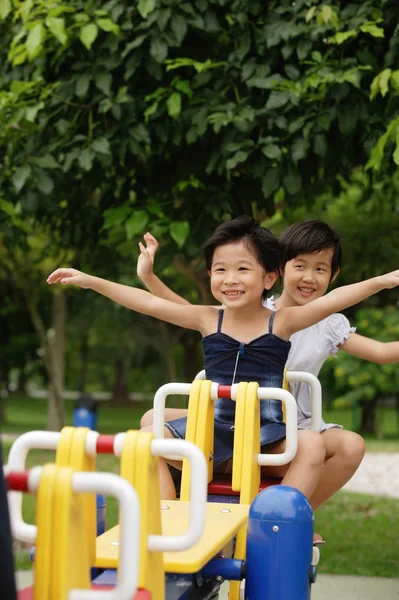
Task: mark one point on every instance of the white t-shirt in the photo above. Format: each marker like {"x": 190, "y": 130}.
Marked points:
{"x": 310, "y": 348}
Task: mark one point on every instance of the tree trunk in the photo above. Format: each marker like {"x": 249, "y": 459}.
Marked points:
{"x": 3, "y": 390}
{"x": 55, "y": 406}
{"x": 120, "y": 392}
{"x": 53, "y": 349}
{"x": 84, "y": 361}
{"x": 21, "y": 385}
{"x": 164, "y": 348}
{"x": 199, "y": 278}
{"x": 192, "y": 362}
{"x": 368, "y": 418}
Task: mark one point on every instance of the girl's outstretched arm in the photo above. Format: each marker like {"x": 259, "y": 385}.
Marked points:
{"x": 199, "y": 318}
{"x": 382, "y": 353}
{"x": 295, "y": 318}
{"x": 145, "y": 271}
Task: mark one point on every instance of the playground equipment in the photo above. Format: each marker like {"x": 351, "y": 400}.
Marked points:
{"x": 185, "y": 539}
{"x": 62, "y": 561}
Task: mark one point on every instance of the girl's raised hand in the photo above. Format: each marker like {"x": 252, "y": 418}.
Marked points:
{"x": 145, "y": 261}
{"x": 72, "y": 276}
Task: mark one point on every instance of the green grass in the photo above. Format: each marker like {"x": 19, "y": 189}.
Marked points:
{"x": 361, "y": 532}
{"x": 24, "y": 414}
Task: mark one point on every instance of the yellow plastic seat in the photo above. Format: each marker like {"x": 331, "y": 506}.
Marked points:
{"x": 223, "y": 521}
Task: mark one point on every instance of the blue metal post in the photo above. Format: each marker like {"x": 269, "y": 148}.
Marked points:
{"x": 279, "y": 546}
{"x": 101, "y": 513}
{"x": 101, "y": 508}
{"x": 83, "y": 417}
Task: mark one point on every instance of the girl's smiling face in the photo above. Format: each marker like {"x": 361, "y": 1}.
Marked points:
{"x": 237, "y": 278}
{"x": 307, "y": 277}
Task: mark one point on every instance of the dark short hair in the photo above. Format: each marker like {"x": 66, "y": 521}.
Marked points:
{"x": 309, "y": 237}
{"x": 260, "y": 241}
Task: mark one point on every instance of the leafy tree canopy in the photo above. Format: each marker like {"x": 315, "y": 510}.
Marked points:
{"x": 176, "y": 115}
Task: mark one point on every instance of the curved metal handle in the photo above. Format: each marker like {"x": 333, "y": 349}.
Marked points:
{"x": 129, "y": 553}
{"x": 315, "y": 392}
{"x": 198, "y": 495}
{"x": 291, "y": 442}
{"x": 180, "y": 389}
{"x": 45, "y": 440}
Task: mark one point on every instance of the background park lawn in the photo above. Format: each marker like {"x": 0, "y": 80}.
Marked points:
{"x": 23, "y": 413}
{"x": 360, "y": 530}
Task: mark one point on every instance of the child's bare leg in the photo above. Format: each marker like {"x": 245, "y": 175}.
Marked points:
{"x": 304, "y": 471}
{"x": 167, "y": 487}
{"x": 170, "y": 414}
{"x": 344, "y": 453}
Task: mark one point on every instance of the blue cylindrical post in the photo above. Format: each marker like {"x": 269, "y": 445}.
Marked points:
{"x": 101, "y": 513}
{"x": 85, "y": 412}
{"x": 279, "y": 545}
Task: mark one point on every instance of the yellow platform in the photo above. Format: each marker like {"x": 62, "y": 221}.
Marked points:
{"x": 220, "y": 528}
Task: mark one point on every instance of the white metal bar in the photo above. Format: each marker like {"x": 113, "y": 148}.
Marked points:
{"x": 315, "y": 391}
{"x": 47, "y": 440}
{"x": 291, "y": 442}
{"x": 198, "y": 495}
{"x": 201, "y": 375}
{"x": 180, "y": 389}
{"x": 129, "y": 510}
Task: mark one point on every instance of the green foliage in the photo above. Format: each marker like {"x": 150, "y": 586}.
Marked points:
{"x": 119, "y": 117}
{"x": 361, "y": 381}
{"x": 108, "y": 105}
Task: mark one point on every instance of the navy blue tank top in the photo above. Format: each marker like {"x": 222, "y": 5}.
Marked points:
{"x": 229, "y": 361}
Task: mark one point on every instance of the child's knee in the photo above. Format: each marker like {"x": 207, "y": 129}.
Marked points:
{"x": 311, "y": 445}
{"x": 147, "y": 419}
{"x": 353, "y": 447}
{"x": 167, "y": 434}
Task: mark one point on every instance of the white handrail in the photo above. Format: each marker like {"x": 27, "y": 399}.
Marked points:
{"x": 179, "y": 448}
{"x": 198, "y": 495}
{"x": 129, "y": 553}
{"x": 315, "y": 393}
{"x": 45, "y": 440}
{"x": 129, "y": 508}
{"x": 291, "y": 441}
{"x": 263, "y": 393}
{"x": 179, "y": 389}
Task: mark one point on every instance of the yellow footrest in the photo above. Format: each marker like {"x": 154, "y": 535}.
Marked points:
{"x": 220, "y": 528}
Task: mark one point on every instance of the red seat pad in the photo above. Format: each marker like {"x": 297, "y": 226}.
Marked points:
{"x": 26, "y": 594}
{"x": 222, "y": 485}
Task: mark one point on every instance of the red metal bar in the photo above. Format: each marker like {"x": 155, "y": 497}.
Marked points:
{"x": 105, "y": 444}
{"x": 18, "y": 481}
{"x": 224, "y": 391}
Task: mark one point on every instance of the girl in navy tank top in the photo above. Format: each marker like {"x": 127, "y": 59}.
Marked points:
{"x": 245, "y": 341}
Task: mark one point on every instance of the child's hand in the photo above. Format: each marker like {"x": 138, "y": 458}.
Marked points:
{"x": 145, "y": 261}
{"x": 390, "y": 280}
{"x": 69, "y": 276}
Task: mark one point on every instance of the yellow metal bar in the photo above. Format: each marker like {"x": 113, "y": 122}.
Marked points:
{"x": 250, "y": 477}
{"x": 239, "y": 429}
{"x": 141, "y": 469}
{"x": 204, "y": 438}
{"x": 191, "y": 434}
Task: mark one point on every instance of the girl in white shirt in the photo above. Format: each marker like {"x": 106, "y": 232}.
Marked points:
{"x": 311, "y": 261}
